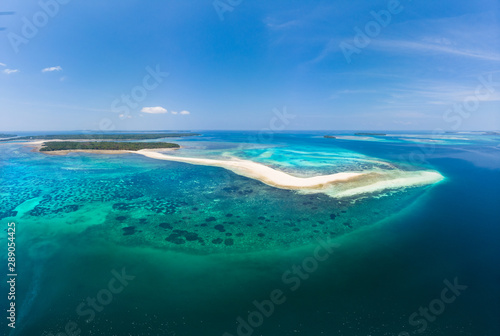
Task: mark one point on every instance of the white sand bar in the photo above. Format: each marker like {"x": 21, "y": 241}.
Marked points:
{"x": 258, "y": 171}
{"x": 344, "y": 184}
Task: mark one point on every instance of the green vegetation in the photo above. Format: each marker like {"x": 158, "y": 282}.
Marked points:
{"x": 103, "y": 145}
{"x": 329, "y": 137}
{"x": 7, "y": 135}
{"x": 101, "y": 136}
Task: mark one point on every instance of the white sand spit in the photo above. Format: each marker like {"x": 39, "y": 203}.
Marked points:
{"x": 346, "y": 184}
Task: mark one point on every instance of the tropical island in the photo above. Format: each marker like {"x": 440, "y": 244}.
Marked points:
{"x": 7, "y": 135}
{"x": 103, "y": 146}
{"x": 107, "y": 136}
{"x": 329, "y": 137}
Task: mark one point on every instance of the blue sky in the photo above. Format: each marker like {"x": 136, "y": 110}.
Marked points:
{"x": 424, "y": 67}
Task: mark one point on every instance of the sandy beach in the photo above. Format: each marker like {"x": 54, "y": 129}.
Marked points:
{"x": 91, "y": 151}
{"x": 258, "y": 171}
{"x": 351, "y": 183}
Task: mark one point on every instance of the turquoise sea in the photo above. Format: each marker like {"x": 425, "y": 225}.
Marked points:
{"x": 129, "y": 245}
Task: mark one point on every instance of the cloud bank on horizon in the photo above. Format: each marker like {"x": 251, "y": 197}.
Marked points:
{"x": 374, "y": 65}
{"x": 161, "y": 110}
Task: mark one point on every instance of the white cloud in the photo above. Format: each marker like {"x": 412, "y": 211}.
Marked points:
{"x": 56, "y": 68}
{"x": 3, "y": 64}
{"x": 10, "y": 71}
{"x": 160, "y": 110}
{"x": 154, "y": 110}
{"x": 441, "y": 47}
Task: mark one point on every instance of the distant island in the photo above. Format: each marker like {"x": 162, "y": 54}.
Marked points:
{"x": 7, "y": 135}
{"x": 379, "y": 134}
{"x": 329, "y": 137}
{"x": 103, "y": 145}
{"x": 128, "y": 136}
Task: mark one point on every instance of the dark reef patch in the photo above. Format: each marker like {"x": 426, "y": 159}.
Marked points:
{"x": 70, "y": 208}
{"x": 245, "y": 192}
{"x": 176, "y": 239}
{"x": 165, "y": 226}
{"x": 122, "y": 206}
{"x": 230, "y": 189}
{"x": 220, "y": 228}
{"x": 129, "y": 230}
{"x": 181, "y": 236}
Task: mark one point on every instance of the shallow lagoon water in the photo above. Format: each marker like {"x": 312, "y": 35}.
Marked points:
{"x": 80, "y": 217}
